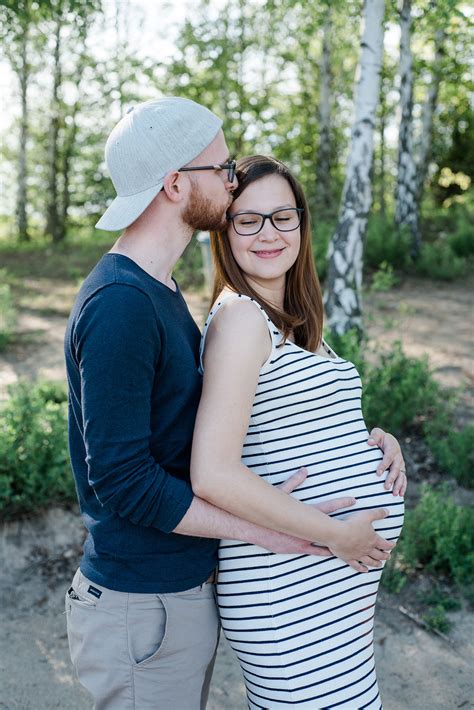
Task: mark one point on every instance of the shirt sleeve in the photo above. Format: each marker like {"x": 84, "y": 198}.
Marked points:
{"x": 118, "y": 346}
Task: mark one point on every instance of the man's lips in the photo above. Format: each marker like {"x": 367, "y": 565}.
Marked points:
{"x": 268, "y": 253}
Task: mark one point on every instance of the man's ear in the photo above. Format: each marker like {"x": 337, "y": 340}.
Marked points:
{"x": 173, "y": 186}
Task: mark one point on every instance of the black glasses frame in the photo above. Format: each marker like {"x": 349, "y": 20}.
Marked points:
{"x": 229, "y": 166}
{"x": 269, "y": 215}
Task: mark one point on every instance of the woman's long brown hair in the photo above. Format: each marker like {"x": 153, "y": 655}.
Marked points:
{"x": 302, "y": 313}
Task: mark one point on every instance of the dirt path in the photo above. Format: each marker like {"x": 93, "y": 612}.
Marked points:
{"x": 416, "y": 670}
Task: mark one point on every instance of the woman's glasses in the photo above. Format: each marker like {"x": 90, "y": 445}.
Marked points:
{"x": 248, "y": 223}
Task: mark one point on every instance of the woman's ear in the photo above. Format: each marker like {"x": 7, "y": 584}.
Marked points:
{"x": 173, "y": 186}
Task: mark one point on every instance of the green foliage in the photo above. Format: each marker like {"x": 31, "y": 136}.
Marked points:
{"x": 322, "y": 233}
{"x": 393, "y": 578}
{"x": 439, "y": 536}
{"x": 350, "y": 347}
{"x": 383, "y": 243}
{"x": 7, "y": 310}
{"x": 438, "y": 261}
{"x": 188, "y": 271}
{"x": 436, "y": 620}
{"x": 384, "y": 279}
{"x": 453, "y": 450}
{"x": 34, "y": 460}
{"x": 398, "y": 391}
{"x": 461, "y": 240}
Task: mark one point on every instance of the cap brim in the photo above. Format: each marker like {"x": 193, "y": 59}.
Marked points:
{"x": 123, "y": 211}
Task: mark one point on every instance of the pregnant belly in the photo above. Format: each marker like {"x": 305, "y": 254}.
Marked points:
{"x": 355, "y": 475}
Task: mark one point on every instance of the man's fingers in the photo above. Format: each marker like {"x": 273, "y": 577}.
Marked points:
{"x": 331, "y": 506}
{"x": 295, "y": 480}
{"x": 319, "y": 551}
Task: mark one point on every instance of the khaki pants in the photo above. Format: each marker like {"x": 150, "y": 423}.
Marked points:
{"x": 142, "y": 651}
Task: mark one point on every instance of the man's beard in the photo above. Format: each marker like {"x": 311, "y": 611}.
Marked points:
{"x": 202, "y": 214}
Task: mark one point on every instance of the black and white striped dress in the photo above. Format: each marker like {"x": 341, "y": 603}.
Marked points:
{"x": 302, "y": 626}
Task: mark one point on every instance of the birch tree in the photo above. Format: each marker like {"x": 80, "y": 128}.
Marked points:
{"x": 426, "y": 137}
{"x": 323, "y": 158}
{"x": 17, "y": 19}
{"x": 344, "y": 278}
{"x": 406, "y": 211}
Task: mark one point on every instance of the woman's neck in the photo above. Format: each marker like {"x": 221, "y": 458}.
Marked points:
{"x": 273, "y": 293}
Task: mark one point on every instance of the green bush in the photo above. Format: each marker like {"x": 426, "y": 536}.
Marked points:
{"x": 453, "y": 451}
{"x": 34, "y": 459}
{"x": 351, "y": 347}
{"x": 384, "y": 279}
{"x": 439, "y": 536}
{"x": 438, "y": 261}
{"x": 461, "y": 241}
{"x": 7, "y": 310}
{"x": 399, "y": 391}
{"x": 383, "y": 242}
{"x": 322, "y": 233}
{"x": 188, "y": 271}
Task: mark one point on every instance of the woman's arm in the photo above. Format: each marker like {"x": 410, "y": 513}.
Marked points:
{"x": 237, "y": 345}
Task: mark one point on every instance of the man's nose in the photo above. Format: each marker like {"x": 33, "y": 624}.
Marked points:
{"x": 231, "y": 186}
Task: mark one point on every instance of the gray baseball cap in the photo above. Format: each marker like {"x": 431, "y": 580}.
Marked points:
{"x": 150, "y": 140}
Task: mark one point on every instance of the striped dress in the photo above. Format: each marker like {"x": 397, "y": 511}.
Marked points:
{"x": 302, "y": 626}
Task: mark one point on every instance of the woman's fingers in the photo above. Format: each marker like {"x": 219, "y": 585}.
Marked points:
{"x": 357, "y": 566}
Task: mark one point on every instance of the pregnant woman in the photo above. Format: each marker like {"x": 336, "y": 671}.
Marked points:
{"x": 277, "y": 398}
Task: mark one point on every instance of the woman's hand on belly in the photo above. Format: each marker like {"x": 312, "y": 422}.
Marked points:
{"x": 357, "y": 542}
{"x": 392, "y": 460}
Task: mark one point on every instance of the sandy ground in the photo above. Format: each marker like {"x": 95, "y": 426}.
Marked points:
{"x": 417, "y": 670}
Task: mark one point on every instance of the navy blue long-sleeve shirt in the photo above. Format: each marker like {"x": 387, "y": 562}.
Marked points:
{"x": 132, "y": 363}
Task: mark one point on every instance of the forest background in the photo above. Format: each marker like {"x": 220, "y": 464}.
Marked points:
{"x": 371, "y": 105}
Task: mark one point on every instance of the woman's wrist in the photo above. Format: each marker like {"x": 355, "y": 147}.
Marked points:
{"x": 331, "y": 534}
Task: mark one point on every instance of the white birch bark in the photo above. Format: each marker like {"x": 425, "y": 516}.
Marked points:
{"x": 426, "y": 138}
{"x": 323, "y": 158}
{"x": 406, "y": 212}
{"x": 23, "y": 76}
{"x": 344, "y": 281}
{"x": 53, "y": 223}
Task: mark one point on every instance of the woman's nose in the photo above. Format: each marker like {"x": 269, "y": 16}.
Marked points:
{"x": 268, "y": 231}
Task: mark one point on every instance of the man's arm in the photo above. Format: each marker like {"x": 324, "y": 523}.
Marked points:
{"x": 117, "y": 345}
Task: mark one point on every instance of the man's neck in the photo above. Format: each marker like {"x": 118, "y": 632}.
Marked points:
{"x": 154, "y": 247}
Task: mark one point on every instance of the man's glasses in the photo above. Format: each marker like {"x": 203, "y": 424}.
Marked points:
{"x": 248, "y": 223}
{"x": 230, "y": 167}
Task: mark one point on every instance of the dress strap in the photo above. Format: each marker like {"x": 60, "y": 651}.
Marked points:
{"x": 275, "y": 334}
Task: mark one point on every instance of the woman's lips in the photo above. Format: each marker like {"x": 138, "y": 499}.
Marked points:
{"x": 268, "y": 254}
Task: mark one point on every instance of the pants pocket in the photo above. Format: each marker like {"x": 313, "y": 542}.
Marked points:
{"x": 147, "y": 622}
{"x": 75, "y": 598}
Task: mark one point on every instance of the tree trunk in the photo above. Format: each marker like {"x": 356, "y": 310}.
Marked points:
{"x": 344, "y": 280}
{"x": 54, "y": 226}
{"x": 382, "y": 161}
{"x": 323, "y": 157}
{"x": 406, "y": 213}
{"x": 23, "y": 76}
{"x": 424, "y": 148}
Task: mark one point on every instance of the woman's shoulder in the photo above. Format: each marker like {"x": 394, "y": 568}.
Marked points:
{"x": 236, "y": 310}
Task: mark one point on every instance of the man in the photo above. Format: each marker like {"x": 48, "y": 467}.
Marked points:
{"x": 142, "y": 621}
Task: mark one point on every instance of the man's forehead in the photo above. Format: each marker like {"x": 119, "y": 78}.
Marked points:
{"x": 216, "y": 152}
